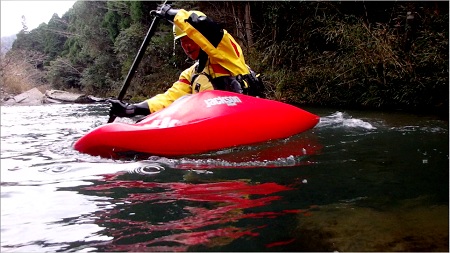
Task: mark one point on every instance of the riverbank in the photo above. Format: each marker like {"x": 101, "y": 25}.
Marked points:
{"x": 35, "y": 97}
{"x": 389, "y": 55}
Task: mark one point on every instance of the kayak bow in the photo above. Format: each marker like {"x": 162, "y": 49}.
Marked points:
{"x": 203, "y": 122}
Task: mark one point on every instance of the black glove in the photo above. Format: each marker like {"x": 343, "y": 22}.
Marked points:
{"x": 165, "y": 11}
{"x": 121, "y": 109}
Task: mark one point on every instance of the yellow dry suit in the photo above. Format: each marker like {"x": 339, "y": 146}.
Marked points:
{"x": 221, "y": 64}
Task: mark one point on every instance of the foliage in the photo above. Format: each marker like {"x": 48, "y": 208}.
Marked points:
{"x": 99, "y": 77}
{"x": 54, "y": 36}
{"x": 116, "y": 18}
{"x": 62, "y": 74}
{"x": 345, "y": 60}
{"x": 18, "y": 72}
{"x": 331, "y": 53}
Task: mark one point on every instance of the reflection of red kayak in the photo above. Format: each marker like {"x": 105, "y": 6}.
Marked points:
{"x": 292, "y": 151}
{"x": 211, "y": 213}
{"x": 206, "y": 121}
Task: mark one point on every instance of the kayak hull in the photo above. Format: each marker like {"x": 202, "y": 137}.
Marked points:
{"x": 199, "y": 123}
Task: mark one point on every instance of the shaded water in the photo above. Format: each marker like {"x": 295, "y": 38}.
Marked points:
{"x": 358, "y": 181}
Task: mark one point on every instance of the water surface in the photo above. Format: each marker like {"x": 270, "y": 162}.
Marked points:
{"x": 358, "y": 181}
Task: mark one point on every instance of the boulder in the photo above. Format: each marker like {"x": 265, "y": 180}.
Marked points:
{"x": 59, "y": 96}
{"x": 35, "y": 97}
{"x": 30, "y": 97}
{"x": 64, "y": 96}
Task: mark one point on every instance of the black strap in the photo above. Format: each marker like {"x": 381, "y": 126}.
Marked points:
{"x": 196, "y": 86}
{"x": 202, "y": 60}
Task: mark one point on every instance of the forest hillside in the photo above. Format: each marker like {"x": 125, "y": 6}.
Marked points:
{"x": 352, "y": 54}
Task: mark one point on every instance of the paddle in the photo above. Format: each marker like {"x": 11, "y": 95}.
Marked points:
{"x": 136, "y": 62}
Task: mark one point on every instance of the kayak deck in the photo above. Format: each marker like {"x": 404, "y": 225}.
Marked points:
{"x": 199, "y": 123}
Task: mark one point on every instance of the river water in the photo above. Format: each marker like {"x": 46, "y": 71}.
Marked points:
{"x": 358, "y": 181}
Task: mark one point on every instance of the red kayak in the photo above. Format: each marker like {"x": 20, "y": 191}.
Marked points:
{"x": 199, "y": 123}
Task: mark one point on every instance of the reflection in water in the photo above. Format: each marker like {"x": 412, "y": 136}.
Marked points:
{"x": 37, "y": 217}
{"x": 288, "y": 152}
{"x": 207, "y": 214}
{"x": 358, "y": 181}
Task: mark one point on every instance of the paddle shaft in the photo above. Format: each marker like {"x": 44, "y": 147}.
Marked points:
{"x": 136, "y": 62}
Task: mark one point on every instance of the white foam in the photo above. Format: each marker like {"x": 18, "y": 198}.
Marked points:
{"x": 340, "y": 119}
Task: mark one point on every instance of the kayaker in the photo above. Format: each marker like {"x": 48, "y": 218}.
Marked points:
{"x": 219, "y": 63}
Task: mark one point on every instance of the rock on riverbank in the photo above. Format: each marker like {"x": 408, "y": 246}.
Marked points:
{"x": 36, "y": 97}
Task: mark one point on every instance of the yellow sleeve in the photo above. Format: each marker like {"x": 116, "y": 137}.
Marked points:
{"x": 180, "y": 88}
{"x": 219, "y": 45}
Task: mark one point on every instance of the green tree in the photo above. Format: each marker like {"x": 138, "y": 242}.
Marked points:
{"x": 91, "y": 50}
{"x": 54, "y": 36}
{"x": 116, "y": 18}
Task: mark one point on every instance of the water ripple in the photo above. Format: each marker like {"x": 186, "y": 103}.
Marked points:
{"x": 57, "y": 199}
{"x": 148, "y": 169}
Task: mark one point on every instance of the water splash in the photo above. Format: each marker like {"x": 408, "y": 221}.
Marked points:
{"x": 341, "y": 119}
{"x": 212, "y": 163}
{"x": 293, "y": 151}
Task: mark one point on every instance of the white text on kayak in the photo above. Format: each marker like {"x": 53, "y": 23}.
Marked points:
{"x": 230, "y": 101}
{"x": 164, "y": 123}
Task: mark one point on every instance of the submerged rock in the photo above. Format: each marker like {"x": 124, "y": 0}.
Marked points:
{"x": 347, "y": 227}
